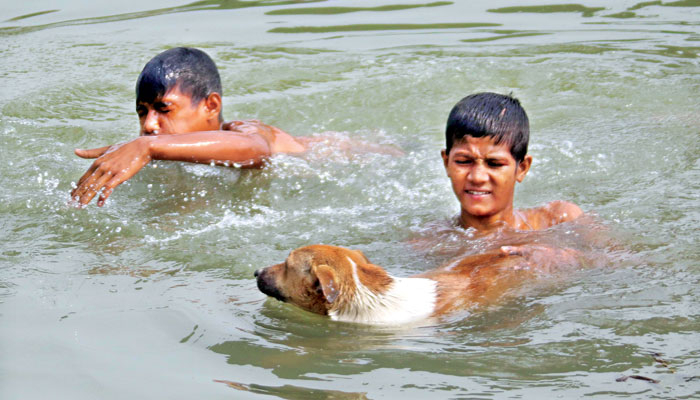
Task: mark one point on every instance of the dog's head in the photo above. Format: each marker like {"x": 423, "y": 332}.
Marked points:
{"x": 320, "y": 278}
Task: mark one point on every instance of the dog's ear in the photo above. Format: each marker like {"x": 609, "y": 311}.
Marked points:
{"x": 362, "y": 255}
{"x": 328, "y": 281}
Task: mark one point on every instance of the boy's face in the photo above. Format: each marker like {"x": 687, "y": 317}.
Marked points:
{"x": 483, "y": 176}
{"x": 175, "y": 112}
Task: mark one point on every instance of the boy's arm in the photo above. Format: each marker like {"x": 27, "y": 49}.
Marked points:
{"x": 117, "y": 163}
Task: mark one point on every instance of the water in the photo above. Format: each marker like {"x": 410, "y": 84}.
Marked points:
{"x": 153, "y": 294}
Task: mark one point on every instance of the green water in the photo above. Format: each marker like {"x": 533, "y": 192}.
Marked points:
{"x": 152, "y": 296}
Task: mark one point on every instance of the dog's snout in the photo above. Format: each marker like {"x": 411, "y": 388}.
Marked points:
{"x": 267, "y": 285}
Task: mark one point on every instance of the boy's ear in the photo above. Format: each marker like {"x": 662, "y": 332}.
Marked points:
{"x": 445, "y": 157}
{"x": 523, "y": 167}
{"x": 213, "y": 104}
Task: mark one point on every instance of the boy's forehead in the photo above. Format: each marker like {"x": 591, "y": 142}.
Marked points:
{"x": 483, "y": 142}
{"x": 174, "y": 95}
{"x": 481, "y": 147}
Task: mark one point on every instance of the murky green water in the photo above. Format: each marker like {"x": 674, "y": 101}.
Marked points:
{"x": 152, "y": 296}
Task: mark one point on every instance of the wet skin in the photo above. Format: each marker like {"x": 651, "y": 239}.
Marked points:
{"x": 175, "y": 113}
{"x": 175, "y": 128}
{"x": 483, "y": 176}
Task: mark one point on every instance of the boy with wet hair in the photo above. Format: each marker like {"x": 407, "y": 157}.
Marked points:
{"x": 487, "y": 136}
{"x": 178, "y": 101}
{"x": 192, "y": 70}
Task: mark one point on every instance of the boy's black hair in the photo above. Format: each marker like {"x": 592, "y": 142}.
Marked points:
{"x": 493, "y": 115}
{"x": 191, "y": 70}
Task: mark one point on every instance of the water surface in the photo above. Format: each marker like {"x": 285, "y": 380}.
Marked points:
{"x": 153, "y": 294}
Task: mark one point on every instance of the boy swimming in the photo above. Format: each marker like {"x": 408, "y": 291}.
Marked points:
{"x": 487, "y": 136}
{"x": 178, "y": 101}
{"x": 179, "y": 104}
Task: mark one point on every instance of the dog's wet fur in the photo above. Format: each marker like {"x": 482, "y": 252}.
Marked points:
{"x": 343, "y": 284}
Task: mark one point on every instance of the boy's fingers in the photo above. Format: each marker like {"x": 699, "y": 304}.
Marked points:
{"x": 86, "y": 197}
{"x": 86, "y": 181}
{"x": 83, "y": 178}
{"x": 103, "y": 197}
{"x": 512, "y": 250}
{"x": 82, "y": 186}
{"x": 91, "y": 189}
{"x": 231, "y": 125}
{"x": 91, "y": 153}
{"x": 108, "y": 189}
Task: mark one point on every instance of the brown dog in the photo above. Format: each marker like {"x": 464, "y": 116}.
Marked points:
{"x": 344, "y": 285}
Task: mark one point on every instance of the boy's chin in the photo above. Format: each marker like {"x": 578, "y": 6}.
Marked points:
{"x": 477, "y": 209}
{"x": 479, "y": 212}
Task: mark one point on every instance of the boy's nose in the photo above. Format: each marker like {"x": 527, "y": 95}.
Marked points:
{"x": 478, "y": 174}
{"x": 150, "y": 125}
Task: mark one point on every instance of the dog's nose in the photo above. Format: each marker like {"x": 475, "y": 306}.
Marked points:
{"x": 256, "y": 273}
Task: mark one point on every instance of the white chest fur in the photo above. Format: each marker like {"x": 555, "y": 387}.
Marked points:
{"x": 406, "y": 300}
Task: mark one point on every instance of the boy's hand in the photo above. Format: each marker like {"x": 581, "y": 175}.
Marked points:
{"x": 543, "y": 258}
{"x": 251, "y": 126}
{"x": 91, "y": 153}
{"x": 115, "y": 164}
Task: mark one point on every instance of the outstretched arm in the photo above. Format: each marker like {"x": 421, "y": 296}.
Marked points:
{"x": 117, "y": 163}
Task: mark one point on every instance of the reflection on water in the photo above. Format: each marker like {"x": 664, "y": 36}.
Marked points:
{"x": 156, "y": 289}
{"x": 21, "y": 17}
{"x": 294, "y": 392}
{"x": 345, "y": 10}
{"x": 505, "y": 35}
{"x": 206, "y": 5}
{"x": 679, "y": 3}
{"x": 378, "y": 27}
{"x": 590, "y": 11}
{"x": 547, "y": 9}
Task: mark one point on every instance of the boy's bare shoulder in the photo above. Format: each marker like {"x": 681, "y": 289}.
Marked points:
{"x": 553, "y": 213}
{"x": 563, "y": 211}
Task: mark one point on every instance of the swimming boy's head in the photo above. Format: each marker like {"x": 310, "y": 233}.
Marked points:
{"x": 493, "y": 115}
{"x": 179, "y": 91}
{"x": 485, "y": 155}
